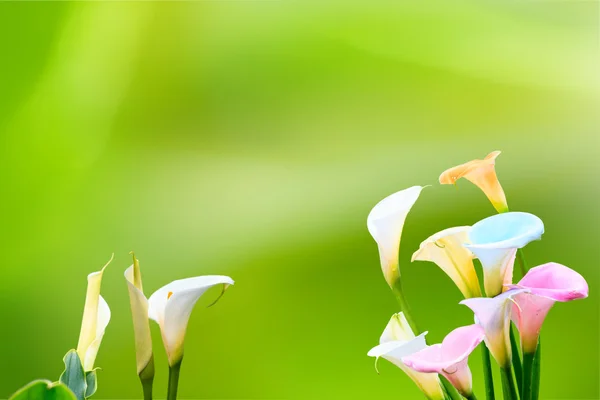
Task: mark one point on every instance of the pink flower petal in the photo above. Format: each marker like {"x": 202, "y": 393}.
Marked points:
{"x": 546, "y": 284}
{"x": 450, "y": 357}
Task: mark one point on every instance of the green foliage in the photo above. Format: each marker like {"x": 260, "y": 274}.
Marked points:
{"x": 91, "y": 380}
{"x": 74, "y": 376}
{"x": 43, "y": 390}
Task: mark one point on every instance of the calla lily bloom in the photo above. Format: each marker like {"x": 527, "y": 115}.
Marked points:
{"x": 385, "y": 223}
{"x": 493, "y": 315}
{"x": 398, "y": 341}
{"x": 450, "y": 358}
{"x": 171, "y": 307}
{"x": 141, "y": 326}
{"x": 96, "y": 315}
{"x": 546, "y": 284}
{"x": 481, "y": 173}
{"x": 495, "y": 241}
{"x": 446, "y": 249}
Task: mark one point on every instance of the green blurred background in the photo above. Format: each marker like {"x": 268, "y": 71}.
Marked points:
{"x": 251, "y": 138}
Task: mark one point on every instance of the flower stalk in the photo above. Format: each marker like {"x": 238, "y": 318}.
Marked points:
{"x": 509, "y": 389}
{"x": 488, "y": 378}
{"x": 173, "y": 380}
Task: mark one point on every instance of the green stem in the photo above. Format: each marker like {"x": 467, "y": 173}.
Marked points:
{"x": 487, "y": 373}
{"x": 449, "y": 389}
{"x": 527, "y": 375}
{"x": 522, "y": 262}
{"x": 471, "y": 397}
{"x": 173, "y": 381}
{"x": 537, "y": 363}
{"x": 516, "y": 360}
{"x": 399, "y": 293}
{"x": 147, "y": 387}
{"x": 508, "y": 384}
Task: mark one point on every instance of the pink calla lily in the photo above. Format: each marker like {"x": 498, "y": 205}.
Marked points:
{"x": 546, "y": 284}
{"x": 450, "y": 358}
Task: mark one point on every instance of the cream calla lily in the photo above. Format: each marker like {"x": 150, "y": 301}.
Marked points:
{"x": 385, "y": 223}
{"x": 398, "y": 341}
{"x": 481, "y": 173}
{"x": 96, "y": 315}
{"x": 446, "y": 249}
{"x": 171, "y": 307}
{"x": 141, "y": 326}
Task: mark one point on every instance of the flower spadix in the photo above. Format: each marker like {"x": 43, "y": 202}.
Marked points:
{"x": 450, "y": 358}
{"x": 141, "y": 326}
{"x": 493, "y": 315}
{"x": 481, "y": 173}
{"x": 398, "y": 341}
{"x": 171, "y": 307}
{"x": 385, "y": 223}
{"x": 446, "y": 249}
{"x": 495, "y": 241}
{"x": 96, "y": 315}
{"x": 546, "y": 284}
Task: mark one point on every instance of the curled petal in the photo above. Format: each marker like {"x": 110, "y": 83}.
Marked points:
{"x": 481, "y": 173}
{"x": 546, "y": 284}
{"x": 172, "y": 305}
{"x": 493, "y": 315}
{"x": 446, "y": 249}
{"x": 398, "y": 341}
{"x": 450, "y": 358}
{"x": 96, "y": 315}
{"x": 495, "y": 241}
{"x": 385, "y": 223}
{"x": 139, "y": 312}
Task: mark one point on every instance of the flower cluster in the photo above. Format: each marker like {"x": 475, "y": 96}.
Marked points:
{"x": 170, "y": 306}
{"x": 497, "y": 242}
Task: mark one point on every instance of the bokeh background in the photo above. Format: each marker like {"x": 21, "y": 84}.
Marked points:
{"x": 251, "y": 138}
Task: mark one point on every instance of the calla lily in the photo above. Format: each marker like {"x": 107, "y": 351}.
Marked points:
{"x": 398, "y": 341}
{"x": 450, "y": 358}
{"x": 171, "y": 307}
{"x": 385, "y": 223}
{"x": 446, "y": 249}
{"x": 481, "y": 173}
{"x": 96, "y": 315}
{"x": 141, "y": 326}
{"x": 495, "y": 241}
{"x": 546, "y": 284}
{"x": 493, "y": 315}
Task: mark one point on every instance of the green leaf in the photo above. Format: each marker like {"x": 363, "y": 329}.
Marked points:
{"x": 43, "y": 390}
{"x": 74, "y": 376}
{"x": 91, "y": 380}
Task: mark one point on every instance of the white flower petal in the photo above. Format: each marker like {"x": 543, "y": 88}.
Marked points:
{"x": 172, "y": 305}
{"x": 385, "y": 223}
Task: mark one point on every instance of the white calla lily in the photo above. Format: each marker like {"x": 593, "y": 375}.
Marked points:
{"x": 495, "y": 241}
{"x": 171, "y": 307}
{"x": 141, "y": 326}
{"x": 398, "y": 341}
{"x": 96, "y": 316}
{"x": 385, "y": 223}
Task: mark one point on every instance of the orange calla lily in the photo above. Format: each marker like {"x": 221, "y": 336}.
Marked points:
{"x": 481, "y": 173}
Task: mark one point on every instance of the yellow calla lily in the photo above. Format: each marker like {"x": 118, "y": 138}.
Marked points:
{"x": 96, "y": 315}
{"x": 141, "y": 324}
{"x": 446, "y": 249}
{"x": 481, "y": 173}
